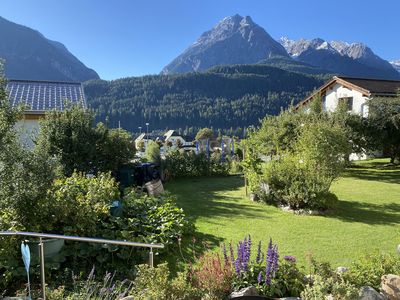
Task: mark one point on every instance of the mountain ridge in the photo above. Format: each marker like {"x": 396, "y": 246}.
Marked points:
{"x": 239, "y": 40}
{"x": 29, "y": 55}
{"x": 352, "y": 59}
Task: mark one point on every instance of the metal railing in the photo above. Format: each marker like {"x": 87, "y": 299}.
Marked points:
{"x": 43, "y": 236}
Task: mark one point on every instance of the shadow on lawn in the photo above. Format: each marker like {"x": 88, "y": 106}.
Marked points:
{"x": 392, "y": 176}
{"x": 191, "y": 248}
{"x": 214, "y": 197}
{"x": 369, "y": 213}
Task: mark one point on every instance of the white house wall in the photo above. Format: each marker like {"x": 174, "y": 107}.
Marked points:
{"x": 338, "y": 91}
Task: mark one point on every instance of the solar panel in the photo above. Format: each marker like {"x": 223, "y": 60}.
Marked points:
{"x": 44, "y": 96}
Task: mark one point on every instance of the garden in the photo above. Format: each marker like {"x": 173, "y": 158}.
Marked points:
{"x": 317, "y": 226}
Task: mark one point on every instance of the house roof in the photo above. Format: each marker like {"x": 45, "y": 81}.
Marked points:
{"x": 140, "y": 137}
{"x": 170, "y": 133}
{"x": 366, "y": 86}
{"x": 375, "y": 86}
{"x": 42, "y": 96}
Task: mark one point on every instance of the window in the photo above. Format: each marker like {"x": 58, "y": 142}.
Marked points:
{"x": 347, "y": 101}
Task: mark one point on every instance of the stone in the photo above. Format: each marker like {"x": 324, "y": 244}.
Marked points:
{"x": 390, "y": 286}
{"x": 247, "y": 291}
{"x": 398, "y": 248}
{"x": 309, "y": 278}
{"x": 341, "y": 270}
{"x": 253, "y": 197}
{"x": 368, "y": 293}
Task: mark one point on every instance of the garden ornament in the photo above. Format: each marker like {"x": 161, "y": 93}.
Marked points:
{"x": 26, "y": 257}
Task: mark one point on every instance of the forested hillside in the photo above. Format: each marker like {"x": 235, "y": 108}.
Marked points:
{"x": 228, "y": 97}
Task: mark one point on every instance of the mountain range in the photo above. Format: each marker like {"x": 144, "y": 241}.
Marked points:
{"x": 29, "y": 55}
{"x": 229, "y": 78}
{"x": 238, "y": 40}
{"x": 354, "y": 59}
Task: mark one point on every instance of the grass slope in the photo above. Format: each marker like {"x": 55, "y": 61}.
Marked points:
{"x": 367, "y": 217}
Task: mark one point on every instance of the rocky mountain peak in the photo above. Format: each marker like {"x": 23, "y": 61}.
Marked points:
{"x": 296, "y": 48}
{"x": 233, "y": 40}
{"x": 358, "y": 50}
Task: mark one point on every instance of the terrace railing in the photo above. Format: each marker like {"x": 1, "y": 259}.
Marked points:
{"x": 43, "y": 236}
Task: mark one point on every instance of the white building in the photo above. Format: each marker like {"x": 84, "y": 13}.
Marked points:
{"x": 38, "y": 97}
{"x": 355, "y": 92}
{"x": 174, "y": 138}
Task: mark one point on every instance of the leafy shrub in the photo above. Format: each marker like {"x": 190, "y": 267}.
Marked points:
{"x": 188, "y": 164}
{"x": 155, "y": 283}
{"x": 293, "y": 183}
{"x": 294, "y": 158}
{"x": 80, "y": 144}
{"x": 79, "y": 205}
{"x": 152, "y": 220}
{"x": 144, "y": 219}
{"x": 153, "y": 152}
{"x": 369, "y": 269}
{"x": 235, "y": 167}
{"x": 24, "y": 180}
{"x": 323, "y": 287}
{"x": 326, "y": 281}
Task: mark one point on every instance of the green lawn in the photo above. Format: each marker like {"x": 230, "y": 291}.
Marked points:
{"x": 367, "y": 218}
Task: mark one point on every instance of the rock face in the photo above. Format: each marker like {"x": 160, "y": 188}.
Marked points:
{"x": 29, "y": 55}
{"x": 368, "y": 293}
{"x": 234, "y": 40}
{"x": 390, "y": 286}
{"x": 354, "y": 59}
{"x": 248, "y": 291}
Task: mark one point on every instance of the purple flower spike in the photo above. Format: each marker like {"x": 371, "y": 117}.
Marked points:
{"x": 259, "y": 277}
{"x": 237, "y": 267}
{"x": 272, "y": 262}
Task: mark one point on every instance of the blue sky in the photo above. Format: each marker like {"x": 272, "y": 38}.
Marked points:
{"x": 123, "y": 38}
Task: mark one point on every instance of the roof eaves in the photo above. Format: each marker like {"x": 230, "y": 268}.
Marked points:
{"x": 323, "y": 88}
